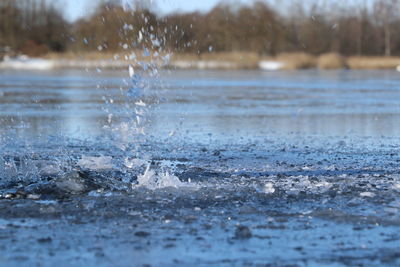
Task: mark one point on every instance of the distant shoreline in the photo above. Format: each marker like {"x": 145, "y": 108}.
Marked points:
{"x": 228, "y": 61}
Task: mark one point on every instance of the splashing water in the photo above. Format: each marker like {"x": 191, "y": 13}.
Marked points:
{"x": 95, "y": 163}
{"x": 266, "y": 196}
{"x": 117, "y": 146}
{"x": 152, "y": 180}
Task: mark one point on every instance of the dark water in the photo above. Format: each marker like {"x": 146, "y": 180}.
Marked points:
{"x": 200, "y": 167}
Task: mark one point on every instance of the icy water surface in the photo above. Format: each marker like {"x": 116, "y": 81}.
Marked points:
{"x": 199, "y": 167}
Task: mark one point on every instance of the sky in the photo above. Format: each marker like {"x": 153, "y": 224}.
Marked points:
{"x": 75, "y": 9}
{"x": 79, "y": 8}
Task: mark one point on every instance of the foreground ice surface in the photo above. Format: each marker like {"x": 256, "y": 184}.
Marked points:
{"x": 245, "y": 204}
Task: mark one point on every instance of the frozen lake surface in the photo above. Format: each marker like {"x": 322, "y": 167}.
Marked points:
{"x": 198, "y": 167}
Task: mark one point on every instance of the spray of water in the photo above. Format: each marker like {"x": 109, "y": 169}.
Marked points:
{"x": 113, "y": 159}
{"x": 140, "y": 97}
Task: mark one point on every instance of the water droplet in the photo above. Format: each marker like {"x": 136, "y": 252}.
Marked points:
{"x": 128, "y": 27}
{"x": 131, "y": 71}
{"x": 132, "y": 56}
{"x": 146, "y": 52}
{"x": 140, "y": 38}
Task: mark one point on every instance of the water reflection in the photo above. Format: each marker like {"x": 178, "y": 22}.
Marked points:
{"x": 202, "y": 103}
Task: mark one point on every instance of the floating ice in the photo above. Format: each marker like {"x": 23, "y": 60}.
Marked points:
{"x": 95, "y": 163}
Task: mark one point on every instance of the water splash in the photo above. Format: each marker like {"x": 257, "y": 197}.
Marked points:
{"x": 153, "y": 180}
{"x": 96, "y": 163}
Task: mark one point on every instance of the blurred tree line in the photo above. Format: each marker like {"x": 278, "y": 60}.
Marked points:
{"x": 369, "y": 28}
{"x": 32, "y": 26}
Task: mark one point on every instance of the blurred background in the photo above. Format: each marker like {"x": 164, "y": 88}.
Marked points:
{"x": 242, "y": 33}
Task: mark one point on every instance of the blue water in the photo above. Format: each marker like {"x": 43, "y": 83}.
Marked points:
{"x": 220, "y": 103}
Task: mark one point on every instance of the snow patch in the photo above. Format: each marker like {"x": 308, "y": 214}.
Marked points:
{"x": 26, "y": 63}
{"x": 270, "y": 65}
